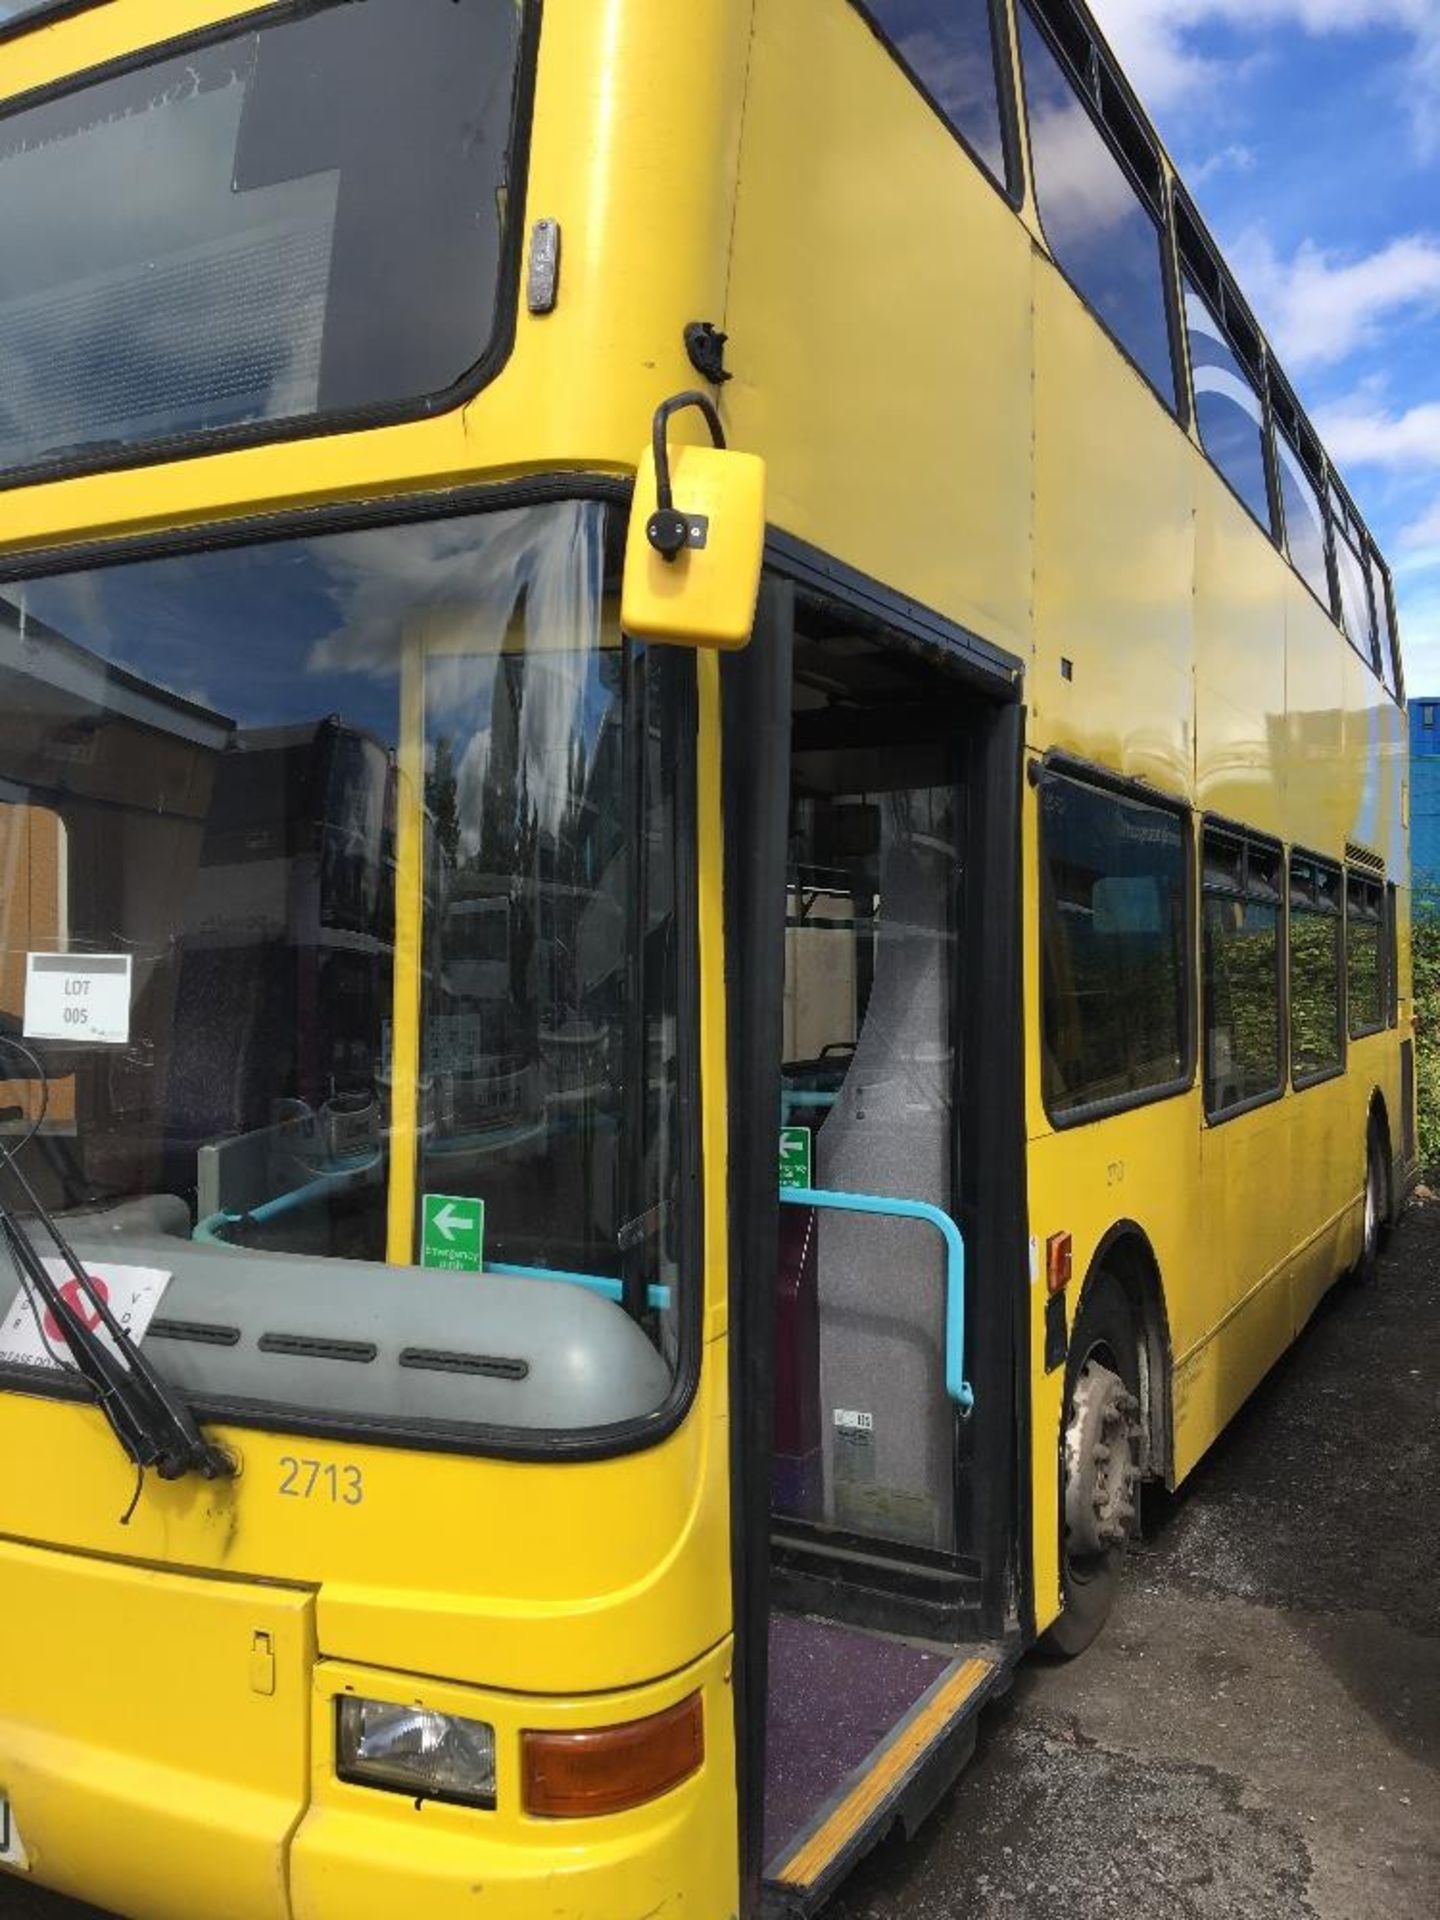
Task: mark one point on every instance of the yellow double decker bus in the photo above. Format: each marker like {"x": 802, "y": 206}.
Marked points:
{"x": 637, "y": 1091}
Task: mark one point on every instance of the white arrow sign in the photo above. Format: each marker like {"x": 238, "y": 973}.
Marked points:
{"x": 450, "y": 1222}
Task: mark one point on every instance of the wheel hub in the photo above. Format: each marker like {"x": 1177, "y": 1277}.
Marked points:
{"x": 1101, "y": 1469}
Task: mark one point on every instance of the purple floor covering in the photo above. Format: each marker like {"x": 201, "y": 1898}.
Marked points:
{"x": 834, "y": 1695}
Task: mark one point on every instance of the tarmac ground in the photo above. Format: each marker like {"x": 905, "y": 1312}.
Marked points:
{"x": 1256, "y": 1735}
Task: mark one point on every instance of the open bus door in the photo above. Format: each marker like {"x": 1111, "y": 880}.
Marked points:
{"x": 872, "y": 799}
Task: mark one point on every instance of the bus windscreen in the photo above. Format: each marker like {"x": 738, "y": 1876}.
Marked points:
{"x": 305, "y": 219}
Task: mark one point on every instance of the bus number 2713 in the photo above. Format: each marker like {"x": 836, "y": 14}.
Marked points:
{"x": 342, "y": 1485}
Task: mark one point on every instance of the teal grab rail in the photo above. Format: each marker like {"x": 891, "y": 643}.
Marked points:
{"x": 659, "y": 1297}
{"x": 956, "y": 1385}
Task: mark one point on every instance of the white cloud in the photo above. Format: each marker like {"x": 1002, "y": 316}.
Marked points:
{"x": 1231, "y": 159}
{"x": 1319, "y": 307}
{"x": 1404, "y": 442}
{"x": 1420, "y": 543}
{"x": 1154, "y": 41}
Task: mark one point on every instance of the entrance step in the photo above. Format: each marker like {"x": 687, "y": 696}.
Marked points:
{"x": 904, "y": 1590}
{"x": 864, "y": 1730}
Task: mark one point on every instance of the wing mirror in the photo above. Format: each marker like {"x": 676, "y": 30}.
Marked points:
{"x": 696, "y": 540}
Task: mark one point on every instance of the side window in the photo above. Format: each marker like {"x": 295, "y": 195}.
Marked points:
{"x": 17, "y": 14}
{"x": 1105, "y": 235}
{"x": 1228, "y": 410}
{"x": 1317, "y": 1042}
{"x": 949, "y": 46}
{"x": 1242, "y": 957}
{"x": 1355, "y": 613}
{"x": 1365, "y": 945}
{"x": 1114, "y": 946}
{"x": 1385, "y": 628}
{"x": 1305, "y": 536}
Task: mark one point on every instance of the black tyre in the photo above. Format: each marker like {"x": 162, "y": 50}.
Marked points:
{"x": 1377, "y": 1207}
{"x": 1101, "y": 1462}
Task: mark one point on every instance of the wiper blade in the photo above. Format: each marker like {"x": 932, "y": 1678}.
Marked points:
{"x": 148, "y": 1418}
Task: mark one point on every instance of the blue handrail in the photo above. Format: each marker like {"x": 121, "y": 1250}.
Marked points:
{"x": 956, "y": 1385}
{"x": 659, "y": 1297}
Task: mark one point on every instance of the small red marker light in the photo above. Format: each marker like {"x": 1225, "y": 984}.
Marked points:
{"x": 1059, "y": 1262}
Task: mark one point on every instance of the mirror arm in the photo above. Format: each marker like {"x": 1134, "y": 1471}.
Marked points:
{"x": 667, "y": 530}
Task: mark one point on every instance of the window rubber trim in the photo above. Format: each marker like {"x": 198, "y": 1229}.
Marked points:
{"x": 499, "y": 1443}
{"x": 300, "y": 428}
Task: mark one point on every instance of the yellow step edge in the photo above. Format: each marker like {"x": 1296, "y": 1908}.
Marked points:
{"x": 814, "y": 1855}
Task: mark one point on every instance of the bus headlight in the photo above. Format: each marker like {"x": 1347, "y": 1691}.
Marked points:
{"x": 407, "y": 1749}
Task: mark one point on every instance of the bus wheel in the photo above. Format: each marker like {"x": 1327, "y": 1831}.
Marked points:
{"x": 1375, "y": 1203}
{"x": 1101, "y": 1462}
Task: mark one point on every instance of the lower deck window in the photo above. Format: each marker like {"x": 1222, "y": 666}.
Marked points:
{"x": 1365, "y": 954}
{"x": 1317, "y": 1043}
{"x": 1242, "y": 977}
{"x": 1114, "y": 943}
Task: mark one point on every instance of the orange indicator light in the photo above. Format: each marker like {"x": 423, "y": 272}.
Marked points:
{"x": 574, "y": 1776}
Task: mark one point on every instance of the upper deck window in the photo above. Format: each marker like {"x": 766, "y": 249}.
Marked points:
{"x": 1102, "y": 227}
{"x": 1385, "y": 624}
{"x": 304, "y": 220}
{"x": 1355, "y": 611}
{"x": 1305, "y": 534}
{"x": 949, "y": 46}
{"x": 1228, "y": 409}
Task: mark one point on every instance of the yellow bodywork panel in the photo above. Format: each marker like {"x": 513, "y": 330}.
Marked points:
{"x": 880, "y": 306}
{"x": 154, "y": 1732}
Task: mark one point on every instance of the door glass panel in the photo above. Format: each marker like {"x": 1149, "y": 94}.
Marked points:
{"x": 865, "y": 1434}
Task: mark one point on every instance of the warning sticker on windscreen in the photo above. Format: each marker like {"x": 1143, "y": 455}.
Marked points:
{"x": 30, "y": 1335}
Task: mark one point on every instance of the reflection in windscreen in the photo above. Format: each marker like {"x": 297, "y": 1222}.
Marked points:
{"x": 294, "y": 221}
{"x": 206, "y": 767}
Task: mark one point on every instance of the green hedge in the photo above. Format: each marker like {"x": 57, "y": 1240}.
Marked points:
{"x": 1427, "y": 1036}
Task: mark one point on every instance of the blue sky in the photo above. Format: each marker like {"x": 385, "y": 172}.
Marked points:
{"x": 1309, "y": 134}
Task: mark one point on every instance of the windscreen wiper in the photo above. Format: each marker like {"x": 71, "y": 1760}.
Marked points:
{"x": 148, "y": 1418}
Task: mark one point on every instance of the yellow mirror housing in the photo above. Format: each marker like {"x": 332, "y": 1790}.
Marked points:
{"x": 705, "y": 596}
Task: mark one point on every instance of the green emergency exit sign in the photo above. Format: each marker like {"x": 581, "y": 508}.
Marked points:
{"x": 795, "y": 1157}
{"x": 452, "y": 1234}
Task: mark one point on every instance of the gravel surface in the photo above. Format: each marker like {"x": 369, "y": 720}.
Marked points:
{"x": 1257, "y": 1734}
